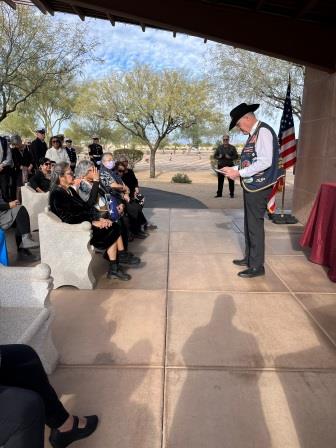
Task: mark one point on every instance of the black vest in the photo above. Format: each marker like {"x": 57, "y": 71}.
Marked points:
{"x": 263, "y": 179}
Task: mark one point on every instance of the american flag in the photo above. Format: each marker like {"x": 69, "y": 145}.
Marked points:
{"x": 287, "y": 133}
{"x": 287, "y": 146}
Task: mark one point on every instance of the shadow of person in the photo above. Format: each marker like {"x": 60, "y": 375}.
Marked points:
{"x": 310, "y": 394}
{"x": 217, "y": 403}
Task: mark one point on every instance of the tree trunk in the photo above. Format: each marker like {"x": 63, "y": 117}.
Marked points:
{"x": 152, "y": 163}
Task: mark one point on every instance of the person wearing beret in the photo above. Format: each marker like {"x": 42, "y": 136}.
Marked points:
{"x": 259, "y": 170}
{"x": 71, "y": 153}
{"x": 95, "y": 151}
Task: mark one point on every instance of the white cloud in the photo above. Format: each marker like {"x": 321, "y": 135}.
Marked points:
{"x": 123, "y": 46}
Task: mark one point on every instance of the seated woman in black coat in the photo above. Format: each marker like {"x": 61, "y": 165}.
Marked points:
{"x": 87, "y": 181}
{"x": 67, "y": 205}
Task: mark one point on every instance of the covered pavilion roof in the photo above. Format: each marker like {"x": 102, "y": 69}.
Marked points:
{"x": 302, "y": 31}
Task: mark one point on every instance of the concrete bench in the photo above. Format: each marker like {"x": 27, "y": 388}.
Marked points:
{"x": 35, "y": 203}
{"x": 66, "y": 249}
{"x": 25, "y": 311}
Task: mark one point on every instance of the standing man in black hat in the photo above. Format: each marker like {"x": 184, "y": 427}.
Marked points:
{"x": 95, "y": 151}
{"x": 225, "y": 154}
{"x": 38, "y": 147}
{"x": 71, "y": 153}
{"x": 259, "y": 170}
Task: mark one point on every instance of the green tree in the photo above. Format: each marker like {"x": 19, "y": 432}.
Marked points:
{"x": 53, "y": 104}
{"x": 19, "y": 122}
{"x": 253, "y": 77}
{"x": 150, "y": 105}
{"x": 34, "y": 51}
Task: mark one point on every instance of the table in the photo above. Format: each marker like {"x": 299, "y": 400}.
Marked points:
{"x": 320, "y": 230}
{"x": 3, "y": 249}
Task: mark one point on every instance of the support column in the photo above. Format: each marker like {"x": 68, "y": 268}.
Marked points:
{"x": 316, "y": 158}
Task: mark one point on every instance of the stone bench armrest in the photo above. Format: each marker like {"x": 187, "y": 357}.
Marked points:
{"x": 25, "y": 286}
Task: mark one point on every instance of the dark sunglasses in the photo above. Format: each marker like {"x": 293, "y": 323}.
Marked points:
{"x": 47, "y": 164}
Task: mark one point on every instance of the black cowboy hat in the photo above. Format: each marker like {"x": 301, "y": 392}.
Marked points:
{"x": 240, "y": 111}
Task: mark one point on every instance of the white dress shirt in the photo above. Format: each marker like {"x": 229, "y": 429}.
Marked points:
{"x": 264, "y": 151}
{"x": 57, "y": 155}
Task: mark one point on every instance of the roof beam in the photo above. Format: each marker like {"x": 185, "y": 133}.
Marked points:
{"x": 259, "y": 4}
{"x": 307, "y": 6}
{"x": 43, "y": 6}
{"x": 78, "y": 11}
{"x": 303, "y": 42}
{"x": 10, "y": 3}
{"x": 111, "y": 19}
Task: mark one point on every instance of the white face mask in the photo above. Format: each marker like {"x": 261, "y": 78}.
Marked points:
{"x": 109, "y": 165}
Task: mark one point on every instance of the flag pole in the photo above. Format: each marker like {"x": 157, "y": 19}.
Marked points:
{"x": 283, "y": 196}
{"x": 283, "y": 218}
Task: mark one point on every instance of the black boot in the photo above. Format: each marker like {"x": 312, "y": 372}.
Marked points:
{"x": 116, "y": 272}
{"x": 127, "y": 259}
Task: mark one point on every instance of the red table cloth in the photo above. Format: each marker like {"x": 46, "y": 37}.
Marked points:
{"x": 320, "y": 230}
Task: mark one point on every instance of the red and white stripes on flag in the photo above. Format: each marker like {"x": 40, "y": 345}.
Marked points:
{"x": 287, "y": 146}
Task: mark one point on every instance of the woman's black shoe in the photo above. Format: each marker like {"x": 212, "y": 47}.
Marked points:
{"x": 60, "y": 439}
{"x": 127, "y": 259}
{"x": 141, "y": 235}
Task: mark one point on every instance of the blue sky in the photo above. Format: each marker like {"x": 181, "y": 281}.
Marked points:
{"x": 123, "y": 46}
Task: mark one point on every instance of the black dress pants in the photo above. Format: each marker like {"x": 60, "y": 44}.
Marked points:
{"x": 21, "y": 368}
{"x": 22, "y": 418}
{"x": 220, "y": 178}
{"x": 255, "y": 206}
{"x": 5, "y": 185}
{"x": 22, "y": 223}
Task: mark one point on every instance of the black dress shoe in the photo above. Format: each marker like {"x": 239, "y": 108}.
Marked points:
{"x": 242, "y": 262}
{"x": 141, "y": 235}
{"x": 252, "y": 272}
{"x": 60, "y": 439}
{"x": 218, "y": 196}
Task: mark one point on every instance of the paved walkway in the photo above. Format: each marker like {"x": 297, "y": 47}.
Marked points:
{"x": 187, "y": 354}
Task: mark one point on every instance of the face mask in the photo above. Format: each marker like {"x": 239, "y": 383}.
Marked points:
{"x": 110, "y": 165}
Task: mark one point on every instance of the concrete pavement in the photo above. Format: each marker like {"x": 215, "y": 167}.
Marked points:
{"x": 187, "y": 354}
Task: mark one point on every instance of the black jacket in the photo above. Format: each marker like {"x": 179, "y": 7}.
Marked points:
{"x": 130, "y": 180}
{"x": 21, "y": 158}
{"x": 39, "y": 181}
{"x": 225, "y": 155}
{"x": 38, "y": 150}
{"x": 70, "y": 208}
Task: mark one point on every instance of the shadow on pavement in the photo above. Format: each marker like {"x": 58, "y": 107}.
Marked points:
{"x": 163, "y": 199}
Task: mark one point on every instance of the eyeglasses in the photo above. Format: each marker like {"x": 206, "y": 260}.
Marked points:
{"x": 47, "y": 164}
{"x": 69, "y": 173}
{"x": 225, "y": 139}
{"x": 55, "y": 141}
